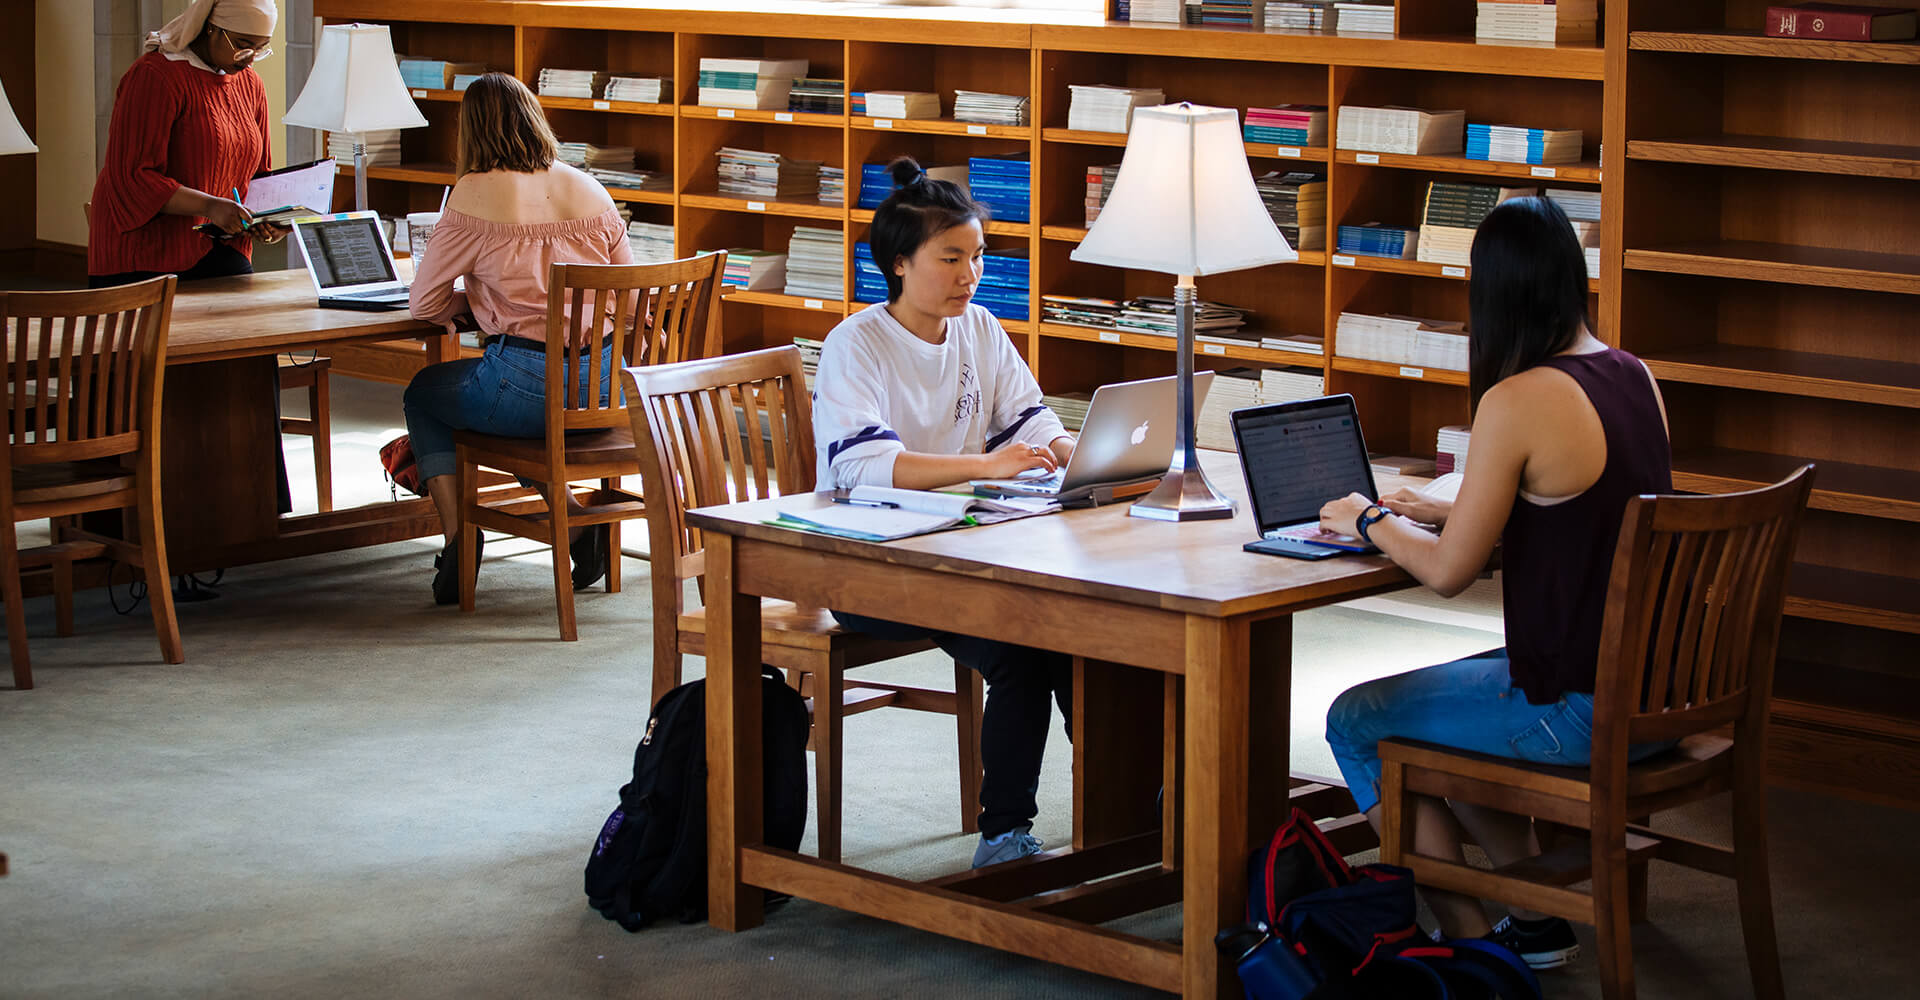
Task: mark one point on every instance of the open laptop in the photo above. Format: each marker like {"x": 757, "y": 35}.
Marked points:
{"x": 1127, "y": 440}
{"x": 351, "y": 264}
{"x": 1296, "y": 456}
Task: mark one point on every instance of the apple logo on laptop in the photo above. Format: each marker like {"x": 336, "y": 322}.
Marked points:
{"x": 1140, "y": 432}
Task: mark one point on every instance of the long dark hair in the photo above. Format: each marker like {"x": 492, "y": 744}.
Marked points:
{"x": 919, "y": 208}
{"x": 1527, "y": 299}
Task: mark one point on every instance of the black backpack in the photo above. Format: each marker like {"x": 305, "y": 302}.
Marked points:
{"x": 650, "y": 859}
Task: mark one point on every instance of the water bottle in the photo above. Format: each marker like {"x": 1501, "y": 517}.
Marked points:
{"x": 1269, "y": 970}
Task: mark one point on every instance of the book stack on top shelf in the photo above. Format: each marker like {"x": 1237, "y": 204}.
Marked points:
{"x": 1406, "y": 131}
{"x": 1538, "y": 20}
{"x": 763, "y": 84}
{"x": 1004, "y": 184}
{"x": 1377, "y": 239}
{"x": 652, "y": 242}
{"x": 833, "y": 185}
{"x": 1450, "y": 448}
{"x": 1454, "y": 210}
{"x": 1402, "y": 340}
{"x": 1099, "y": 187}
{"x": 906, "y": 104}
{"x": 868, "y": 284}
{"x": 989, "y": 109}
{"x": 640, "y": 89}
{"x": 754, "y": 270}
{"x": 1236, "y": 13}
{"x": 817, "y": 96}
{"x": 1156, "y": 315}
{"x": 816, "y": 267}
{"x": 1373, "y": 18}
{"x": 1520, "y": 144}
{"x": 1298, "y": 203}
{"x": 753, "y": 173}
{"x": 1157, "y": 11}
{"x": 1583, "y": 210}
{"x": 435, "y": 74}
{"x": 1287, "y": 125}
{"x": 1101, "y": 108}
{"x": 1004, "y": 280}
{"x": 579, "y": 83}
{"x": 1301, "y": 15}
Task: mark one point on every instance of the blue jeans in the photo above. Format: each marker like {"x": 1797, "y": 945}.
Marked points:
{"x": 502, "y": 392}
{"x": 1471, "y": 704}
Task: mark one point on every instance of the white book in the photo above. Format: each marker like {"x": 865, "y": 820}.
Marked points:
{"x": 883, "y": 513}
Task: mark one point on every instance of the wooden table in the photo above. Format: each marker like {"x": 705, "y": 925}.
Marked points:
{"x": 220, "y": 435}
{"x": 1207, "y": 625}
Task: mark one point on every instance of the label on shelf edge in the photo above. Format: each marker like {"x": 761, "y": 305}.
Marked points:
{"x": 883, "y": 123}
{"x": 724, "y": 113}
{"x": 1545, "y": 172}
{"x": 1450, "y": 271}
{"x": 1341, "y": 260}
{"x": 976, "y": 130}
{"x": 1406, "y": 372}
{"x": 783, "y": 116}
{"x": 603, "y": 105}
{"x": 756, "y": 206}
{"x": 1109, "y": 338}
{"x": 420, "y": 93}
{"x": 1292, "y": 152}
{"x": 1213, "y": 348}
{"x": 1366, "y": 157}
{"x": 813, "y": 303}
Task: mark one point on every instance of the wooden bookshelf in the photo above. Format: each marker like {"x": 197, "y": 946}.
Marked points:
{"x": 1754, "y": 44}
{"x": 1767, "y": 152}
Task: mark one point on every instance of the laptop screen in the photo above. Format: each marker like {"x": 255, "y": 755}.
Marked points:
{"x": 343, "y": 253}
{"x": 1299, "y": 455}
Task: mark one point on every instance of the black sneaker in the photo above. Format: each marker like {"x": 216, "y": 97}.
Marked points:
{"x": 446, "y": 579}
{"x": 591, "y": 554}
{"x": 1542, "y": 944}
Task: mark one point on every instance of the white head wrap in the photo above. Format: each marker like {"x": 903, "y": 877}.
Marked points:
{"x": 247, "y": 17}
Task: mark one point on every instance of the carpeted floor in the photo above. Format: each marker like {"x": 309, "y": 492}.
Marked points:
{"x": 346, "y": 791}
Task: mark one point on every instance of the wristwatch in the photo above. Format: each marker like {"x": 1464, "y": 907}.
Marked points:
{"x": 1374, "y": 514}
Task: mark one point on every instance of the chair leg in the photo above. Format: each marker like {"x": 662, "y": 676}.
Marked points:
{"x": 467, "y": 489}
{"x": 12, "y": 593}
{"x": 1637, "y": 884}
{"x": 1611, "y": 921}
{"x": 63, "y": 597}
{"x": 828, "y": 686}
{"x": 562, "y": 561}
{"x": 613, "y": 545}
{"x": 153, "y": 556}
{"x": 317, "y": 411}
{"x": 1752, "y": 880}
{"x": 1395, "y": 813}
{"x": 968, "y": 696}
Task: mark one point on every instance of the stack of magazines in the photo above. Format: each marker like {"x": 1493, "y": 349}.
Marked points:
{"x": 1308, "y": 15}
{"x": 909, "y": 104}
{"x": 815, "y": 263}
{"x": 640, "y": 89}
{"x": 1407, "y": 131}
{"x": 1453, "y": 214}
{"x": 1287, "y": 125}
{"x": 1099, "y": 188}
{"x": 1154, "y": 314}
{"x": 1372, "y": 17}
{"x": 817, "y": 96}
{"x": 1533, "y": 21}
{"x": 588, "y": 156}
{"x": 752, "y": 173}
{"x": 749, "y": 83}
{"x": 652, "y": 242}
{"x": 1451, "y": 448}
{"x": 833, "y": 185}
{"x": 1157, "y": 11}
{"x": 754, "y": 270}
{"x": 1003, "y": 283}
{"x": 1519, "y": 144}
{"x": 1297, "y": 201}
{"x": 868, "y": 284}
{"x": 1102, "y": 108}
{"x": 383, "y": 147}
{"x": 1402, "y": 340}
{"x": 581, "y": 83}
{"x": 1004, "y": 184}
{"x": 1376, "y": 239}
{"x": 989, "y": 109}
{"x": 1583, "y": 210}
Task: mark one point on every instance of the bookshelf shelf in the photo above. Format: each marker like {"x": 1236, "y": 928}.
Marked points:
{"x": 1451, "y": 53}
{"x": 1872, "y": 491}
{"x": 1765, "y": 152}
{"x": 416, "y": 173}
{"x": 799, "y": 208}
{"x": 1417, "y": 268}
{"x": 1797, "y": 373}
{"x": 864, "y": 216}
{"x": 643, "y": 197}
{"x": 1876, "y": 701}
{"x": 1750, "y": 43}
{"x": 612, "y": 107}
{"x": 1861, "y": 270}
{"x": 1155, "y": 342}
{"x": 778, "y": 300}
{"x": 1304, "y": 154}
{"x": 1587, "y": 172}
{"x": 1063, "y": 234}
{"x": 1081, "y": 137}
{"x": 761, "y": 117}
{"x": 1410, "y": 373}
{"x": 451, "y": 96}
{"x": 941, "y": 126}
{"x": 1853, "y": 597}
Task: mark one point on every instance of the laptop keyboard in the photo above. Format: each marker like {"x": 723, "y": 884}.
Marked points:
{"x": 371, "y": 293}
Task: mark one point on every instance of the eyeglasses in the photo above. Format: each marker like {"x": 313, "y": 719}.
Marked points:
{"x": 250, "y": 53}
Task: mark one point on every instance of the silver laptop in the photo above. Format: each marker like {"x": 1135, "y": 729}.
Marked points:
{"x": 351, "y": 264}
{"x": 1127, "y": 439}
{"x": 1297, "y": 456}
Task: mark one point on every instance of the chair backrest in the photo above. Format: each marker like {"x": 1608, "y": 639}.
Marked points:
{"x": 649, "y": 313}
{"x": 84, "y": 370}
{"x": 1693, "y": 614}
{"x": 719, "y": 430}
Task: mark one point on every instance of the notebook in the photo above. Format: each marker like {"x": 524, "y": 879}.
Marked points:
{"x": 884, "y": 513}
{"x": 351, "y": 264}
{"x": 1296, "y": 456}
{"x": 1127, "y": 440}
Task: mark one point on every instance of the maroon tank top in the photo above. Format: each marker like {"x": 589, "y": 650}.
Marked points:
{"x": 1556, "y": 559}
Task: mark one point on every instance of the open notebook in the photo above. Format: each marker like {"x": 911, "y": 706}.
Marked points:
{"x": 882, "y": 513}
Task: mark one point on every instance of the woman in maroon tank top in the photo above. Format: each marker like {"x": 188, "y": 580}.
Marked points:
{"x": 1565, "y": 430}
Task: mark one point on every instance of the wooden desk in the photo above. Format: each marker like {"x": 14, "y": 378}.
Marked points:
{"x": 1180, "y": 600}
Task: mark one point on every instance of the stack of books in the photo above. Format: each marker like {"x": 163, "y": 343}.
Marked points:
{"x": 1287, "y": 125}
{"x": 1454, "y": 210}
{"x": 435, "y": 74}
{"x": 909, "y": 104}
{"x": 1157, "y": 11}
{"x": 1402, "y": 340}
{"x": 989, "y": 109}
{"x": 1155, "y": 314}
{"x": 1003, "y": 283}
{"x": 1233, "y": 389}
{"x": 652, "y": 242}
{"x": 1099, "y": 187}
{"x": 752, "y": 173}
{"x": 1378, "y": 240}
{"x": 754, "y": 270}
{"x": 816, "y": 96}
{"x": 816, "y": 267}
{"x": 581, "y": 83}
{"x": 1002, "y": 183}
{"x": 1450, "y": 448}
{"x": 383, "y": 147}
{"x": 1299, "y": 343}
{"x": 1298, "y": 203}
{"x": 833, "y": 185}
{"x": 1371, "y": 17}
{"x": 749, "y": 83}
{"x": 588, "y": 156}
{"x": 639, "y": 89}
{"x": 1284, "y": 385}
{"x": 1238, "y": 13}
{"x": 1583, "y": 210}
{"x": 1102, "y": 108}
{"x": 1070, "y": 407}
{"x": 1407, "y": 131}
{"x": 1307, "y": 15}
{"x": 1519, "y": 144}
{"x": 868, "y": 284}
{"x": 1071, "y": 310}
{"x": 1538, "y": 20}
{"x": 461, "y": 81}
{"x": 630, "y": 179}
{"x": 876, "y": 183}
{"x": 857, "y": 102}
{"x": 809, "y": 358}
{"x": 1399, "y": 465}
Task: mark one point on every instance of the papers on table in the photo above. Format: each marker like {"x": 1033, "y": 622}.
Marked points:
{"x": 882, "y": 513}
{"x": 306, "y": 184}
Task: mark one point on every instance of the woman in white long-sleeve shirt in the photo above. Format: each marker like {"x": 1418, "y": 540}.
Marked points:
{"x": 926, "y": 390}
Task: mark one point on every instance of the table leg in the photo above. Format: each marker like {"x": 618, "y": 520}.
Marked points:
{"x": 219, "y": 447}
{"x": 734, "y": 797}
{"x": 1216, "y": 741}
{"x": 1116, "y": 750}
{"x": 1270, "y": 707}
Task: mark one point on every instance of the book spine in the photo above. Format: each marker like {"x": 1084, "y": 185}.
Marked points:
{"x": 1787, "y": 22}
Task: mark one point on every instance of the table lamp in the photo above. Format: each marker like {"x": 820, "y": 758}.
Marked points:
{"x": 13, "y": 138}
{"x": 1184, "y": 204}
{"x": 355, "y": 87}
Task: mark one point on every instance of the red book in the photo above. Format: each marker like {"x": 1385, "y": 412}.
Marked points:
{"x": 1845, "y": 22}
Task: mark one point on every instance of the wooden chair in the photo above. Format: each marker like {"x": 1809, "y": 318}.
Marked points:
{"x": 1687, "y": 651}
{"x": 311, "y": 375}
{"x": 84, "y": 378}
{"x": 651, "y": 313}
{"x": 737, "y": 428}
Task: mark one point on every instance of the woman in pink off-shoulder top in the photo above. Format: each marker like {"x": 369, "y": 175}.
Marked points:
{"x": 514, "y": 210}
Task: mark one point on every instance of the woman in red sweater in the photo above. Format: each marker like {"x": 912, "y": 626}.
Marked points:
{"x": 189, "y": 129}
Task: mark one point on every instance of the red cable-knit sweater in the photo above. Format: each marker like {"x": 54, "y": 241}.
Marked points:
{"x": 173, "y": 124}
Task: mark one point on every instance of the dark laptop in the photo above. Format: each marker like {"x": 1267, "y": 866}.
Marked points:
{"x": 1296, "y": 456}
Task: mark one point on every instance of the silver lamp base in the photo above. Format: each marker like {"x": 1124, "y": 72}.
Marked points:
{"x": 1184, "y": 493}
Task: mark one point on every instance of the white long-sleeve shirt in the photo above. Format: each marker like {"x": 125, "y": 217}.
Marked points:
{"x": 880, "y": 391}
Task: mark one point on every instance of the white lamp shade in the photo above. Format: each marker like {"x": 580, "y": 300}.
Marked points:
{"x": 13, "y": 138}
{"x": 355, "y": 85}
{"x": 1184, "y": 202}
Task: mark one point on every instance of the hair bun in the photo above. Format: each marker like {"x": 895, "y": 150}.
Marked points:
{"x": 906, "y": 172}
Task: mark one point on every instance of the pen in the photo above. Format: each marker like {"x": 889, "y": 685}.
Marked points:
{"x": 237, "y": 201}
{"x": 851, "y": 502}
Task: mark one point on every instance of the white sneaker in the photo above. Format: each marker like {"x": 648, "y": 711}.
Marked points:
{"x": 1016, "y": 843}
